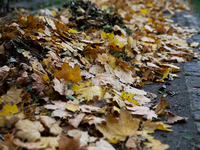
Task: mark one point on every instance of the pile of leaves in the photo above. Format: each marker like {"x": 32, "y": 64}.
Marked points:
{"x": 84, "y": 15}
{"x": 68, "y": 88}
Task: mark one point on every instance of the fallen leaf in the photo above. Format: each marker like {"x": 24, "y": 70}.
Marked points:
{"x": 55, "y": 129}
{"x": 89, "y": 92}
{"x": 162, "y": 126}
{"x": 162, "y": 104}
{"x": 60, "y": 86}
{"x": 172, "y": 118}
{"x": 101, "y": 145}
{"x": 77, "y": 120}
{"x": 119, "y": 129}
{"x": 68, "y": 73}
{"x": 12, "y": 95}
{"x": 141, "y": 110}
{"x": 29, "y": 130}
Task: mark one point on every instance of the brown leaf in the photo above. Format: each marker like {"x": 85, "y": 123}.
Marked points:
{"x": 162, "y": 104}
{"x": 70, "y": 143}
{"x": 8, "y": 144}
{"x": 12, "y": 96}
{"x": 68, "y": 73}
{"x": 172, "y": 118}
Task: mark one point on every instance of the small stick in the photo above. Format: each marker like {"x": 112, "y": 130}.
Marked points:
{"x": 27, "y": 46}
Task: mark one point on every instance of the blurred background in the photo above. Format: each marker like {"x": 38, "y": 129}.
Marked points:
{"x": 30, "y": 5}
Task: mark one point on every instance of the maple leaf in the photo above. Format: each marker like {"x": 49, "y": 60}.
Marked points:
{"x": 12, "y": 96}
{"x": 68, "y": 73}
{"x": 149, "y": 126}
{"x": 119, "y": 129}
{"x": 29, "y": 130}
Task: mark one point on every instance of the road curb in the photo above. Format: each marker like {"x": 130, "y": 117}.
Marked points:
{"x": 192, "y": 68}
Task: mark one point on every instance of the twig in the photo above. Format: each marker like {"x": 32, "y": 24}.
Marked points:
{"x": 27, "y": 46}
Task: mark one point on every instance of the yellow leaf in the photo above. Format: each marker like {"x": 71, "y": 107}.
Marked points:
{"x": 149, "y": 3}
{"x": 129, "y": 97}
{"x": 46, "y": 78}
{"x": 162, "y": 126}
{"x": 89, "y": 92}
{"x": 72, "y": 108}
{"x": 116, "y": 109}
{"x": 144, "y": 11}
{"x": 119, "y": 129}
{"x": 113, "y": 141}
{"x": 75, "y": 87}
{"x": 72, "y": 30}
{"x": 165, "y": 74}
{"x": 109, "y": 36}
{"x": 153, "y": 144}
{"x": 104, "y": 35}
{"x": 53, "y": 12}
{"x": 8, "y": 110}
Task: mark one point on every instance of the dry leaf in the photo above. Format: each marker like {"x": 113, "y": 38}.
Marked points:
{"x": 119, "y": 129}
{"x": 68, "y": 73}
{"x": 12, "y": 95}
{"x": 172, "y": 118}
{"x": 144, "y": 111}
{"x": 162, "y": 104}
{"x": 89, "y": 92}
{"x": 29, "y": 130}
{"x": 76, "y": 120}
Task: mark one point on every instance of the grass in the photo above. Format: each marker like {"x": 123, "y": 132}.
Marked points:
{"x": 196, "y": 5}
